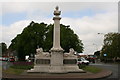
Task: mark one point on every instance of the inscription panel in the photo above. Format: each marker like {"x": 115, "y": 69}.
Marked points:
{"x": 69, "y": 61}
{"x": 43, "y": 61}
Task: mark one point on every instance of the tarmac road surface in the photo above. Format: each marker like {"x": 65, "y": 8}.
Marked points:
{"x": 112, "y": 67}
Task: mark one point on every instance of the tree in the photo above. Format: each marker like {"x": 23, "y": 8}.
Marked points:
{"x": 70, "y": 40}
{"x": 111, "y": 45}
{"x": 97, "y": 53}
{"x": 27, "y": 42}
{"x": 41, "y": 35}
{"x": 4, "y": 47}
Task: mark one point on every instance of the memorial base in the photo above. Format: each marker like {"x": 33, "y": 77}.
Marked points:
{"x": 39, "y": 69}
{"x": 55, "y": 62}
{"x": 56, "y": 69}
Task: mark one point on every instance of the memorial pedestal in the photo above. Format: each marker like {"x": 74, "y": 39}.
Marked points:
{"x": 57, "y": 61}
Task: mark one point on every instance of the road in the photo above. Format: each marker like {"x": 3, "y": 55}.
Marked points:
{"x": 109, "y": 66}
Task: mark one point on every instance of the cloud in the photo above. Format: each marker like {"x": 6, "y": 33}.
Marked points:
{"x": 0, "y": 33}
{"x": 0, "y": 9}
{"x": 101, "y": 23}
{"x": 48, "y": 7}
{"x": 86, "y": 28}
{"x": 10, "y": 32}
{"x": 59, "y": 1}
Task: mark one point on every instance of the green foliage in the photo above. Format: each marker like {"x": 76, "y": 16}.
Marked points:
{"x": 70, "y": 40}
{"x": 41, "y": 35}
{"x": 3, "y": 47}
{"x": 111, "y": 45}
{"x": 22, "y": 67}
{"x": 81, "y": 66}
{"x": 97, "y": 53}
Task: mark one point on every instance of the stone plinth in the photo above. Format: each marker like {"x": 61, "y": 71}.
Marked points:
{"x": 57, "y": 61}
{"x": 41, "y": 62}
{"x": 56, "y": 57}
{"x": 70, "y": 63}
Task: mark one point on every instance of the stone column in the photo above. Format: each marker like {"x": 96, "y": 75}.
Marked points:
{"x": 56, "y": 37}
{"x": 56, "y": 51}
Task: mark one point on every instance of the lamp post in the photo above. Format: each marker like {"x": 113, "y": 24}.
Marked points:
{"x": 104, "y": 55}
{"x": 102, "y": 33}
{"x": 96, "y": 46}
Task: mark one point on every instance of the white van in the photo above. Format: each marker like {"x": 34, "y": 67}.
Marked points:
{"x": 82, "y": 60}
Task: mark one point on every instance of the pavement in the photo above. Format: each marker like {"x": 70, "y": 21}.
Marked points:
{"x": 69, "y": 76}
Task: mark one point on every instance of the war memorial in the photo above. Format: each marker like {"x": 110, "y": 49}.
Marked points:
{"x": 56, "y": 64}
{"x": 55, "y": 61}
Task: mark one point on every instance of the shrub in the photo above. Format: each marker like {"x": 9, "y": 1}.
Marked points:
{"x": 81, "y": 66}
{"x": 22, "y": 65}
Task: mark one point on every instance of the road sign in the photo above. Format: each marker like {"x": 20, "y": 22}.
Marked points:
{"x": 105, "y": 54}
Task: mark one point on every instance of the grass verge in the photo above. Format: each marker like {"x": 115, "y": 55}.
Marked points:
{"x": 13, "y": 71}
{"x": 19, "y": 67}
{"x": 92, "y": 69}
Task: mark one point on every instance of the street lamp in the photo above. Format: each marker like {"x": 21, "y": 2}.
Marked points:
{"x": 96, "y": 46}
{"x": 102, "y": 33}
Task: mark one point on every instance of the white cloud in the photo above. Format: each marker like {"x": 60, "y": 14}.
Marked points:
{"x": 10, "y": 32}
{"x": 59, "y": 1}
{"x": 86, "y": 28}
{"x": 0, "y": 33}
{"x": 0, "y": 8}
{"x": 48, "y": 7}
{"x": 0, "y": 21}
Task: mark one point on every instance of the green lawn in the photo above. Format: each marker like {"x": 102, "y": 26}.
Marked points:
{"x": 92, "y": 69}
{"x": 13, "y": 71}
{"x": 18, "y": 68}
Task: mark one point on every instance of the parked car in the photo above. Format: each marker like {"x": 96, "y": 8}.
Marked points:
{"x": 4, "y": 59}
{"x": 82, "y": 60}
{"x": 11, "y": 59}
{"x": 0, "y": 58}
{"x": 91, "y": 59}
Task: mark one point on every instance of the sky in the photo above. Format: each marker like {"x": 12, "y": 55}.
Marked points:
{"x": 87, "y": 19}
